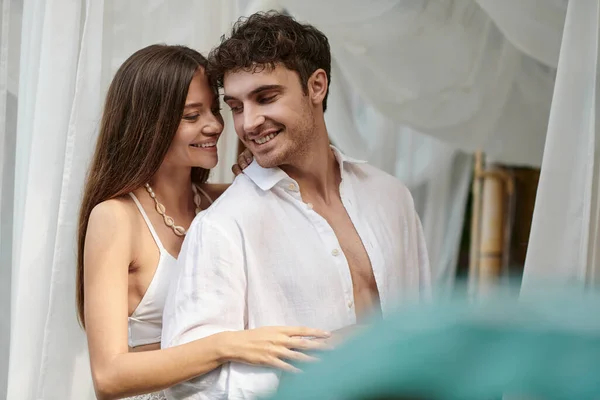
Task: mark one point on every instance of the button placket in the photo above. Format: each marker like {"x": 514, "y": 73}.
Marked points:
{"x": 344, "y": 270}
{"x": 332, "y": 245}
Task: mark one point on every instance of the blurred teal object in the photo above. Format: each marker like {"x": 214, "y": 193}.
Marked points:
{"x": 545, "y": 345}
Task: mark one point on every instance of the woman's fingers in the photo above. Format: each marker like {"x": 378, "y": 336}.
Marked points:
{"x": 308, "y": 344}
{"x": 247, "y": 155}
{"x": 297, "y": 356}
{"x": 236, "y": 170}
{"x": 278, "y": 363}
{"x": 305, "y": 332}
{"x": 244, "y": 159}
{"x": 287, "y": 354}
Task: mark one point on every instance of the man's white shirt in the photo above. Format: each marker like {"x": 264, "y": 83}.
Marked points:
{"x": 260, "y": 256}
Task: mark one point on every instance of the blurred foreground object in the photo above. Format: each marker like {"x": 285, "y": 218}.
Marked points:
{"x": 545, "y": 345}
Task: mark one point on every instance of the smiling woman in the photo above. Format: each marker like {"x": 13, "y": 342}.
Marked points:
{"x": 199, "y": 129}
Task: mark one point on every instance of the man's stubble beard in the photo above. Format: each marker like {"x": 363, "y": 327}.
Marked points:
{"x": 298, "y": 139}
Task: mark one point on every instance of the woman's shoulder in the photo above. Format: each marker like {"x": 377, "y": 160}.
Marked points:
{"x": 113, "y": 216}
{"x": 117, "y": 207}
{"x": 110, "y": 233}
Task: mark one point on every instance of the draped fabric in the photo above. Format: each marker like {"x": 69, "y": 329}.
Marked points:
{"x": 463, "y": 71}
{"x": 68, "y": 53}
{"x": 10, "y": 24}
{"x": 10, "y": 32}
{"x": 565, "y": 237}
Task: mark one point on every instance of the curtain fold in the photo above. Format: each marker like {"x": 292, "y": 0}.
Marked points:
{"x": 10, "y": 34}
{"x": 564, "y": 234}
{"x": 534, "y": 26}
{"x": 51, "y": 34}
{"x": 446, "y": 69}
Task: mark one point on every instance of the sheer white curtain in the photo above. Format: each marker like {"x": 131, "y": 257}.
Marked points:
{"x": 10, "y": 32}
{"x": 68, "y": 54}
{"x": 442, "y": 68}
{"x": 565, "y": 239}
{"x": 534, "y": 26}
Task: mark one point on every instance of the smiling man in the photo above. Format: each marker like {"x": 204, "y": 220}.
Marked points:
{"x": 307, "y": 235}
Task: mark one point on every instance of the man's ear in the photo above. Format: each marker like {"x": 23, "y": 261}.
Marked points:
{"x": 317, "y": 86}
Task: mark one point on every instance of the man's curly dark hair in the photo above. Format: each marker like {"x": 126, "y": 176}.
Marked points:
{"x": 264, "y": 40}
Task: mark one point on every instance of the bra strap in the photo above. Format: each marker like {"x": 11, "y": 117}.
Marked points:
{"x": 205, "y": 194}
{"x": 145, "y": 216}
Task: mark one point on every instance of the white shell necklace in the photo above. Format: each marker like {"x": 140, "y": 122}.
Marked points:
{"x": 170, "y": 222}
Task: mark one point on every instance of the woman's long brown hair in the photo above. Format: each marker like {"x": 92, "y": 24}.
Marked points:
{"x": 144, "y": 106}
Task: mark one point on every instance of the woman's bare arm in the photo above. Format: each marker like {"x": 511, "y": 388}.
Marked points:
{"x": 116, "y": 372}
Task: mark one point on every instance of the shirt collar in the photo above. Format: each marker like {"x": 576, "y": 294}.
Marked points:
{"x": 267, "y": 178}
{"x": 343, "y": 159}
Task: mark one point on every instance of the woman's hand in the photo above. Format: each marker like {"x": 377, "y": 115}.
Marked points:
{"x": 270, "y": 346}
{"x": 244, "y": 159}
{"x": 341, "y": 335}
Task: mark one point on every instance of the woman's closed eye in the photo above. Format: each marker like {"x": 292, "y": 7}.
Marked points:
{"x": 191, "y": 117}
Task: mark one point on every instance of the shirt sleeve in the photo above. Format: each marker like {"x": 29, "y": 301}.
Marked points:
{"x": 418, "y": 247}
{"x": 208, "y": 296}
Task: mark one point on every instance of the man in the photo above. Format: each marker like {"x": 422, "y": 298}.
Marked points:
{"x": 306, "y": 236}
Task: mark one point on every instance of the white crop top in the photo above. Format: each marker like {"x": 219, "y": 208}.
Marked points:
{"x": 145, "y": 323}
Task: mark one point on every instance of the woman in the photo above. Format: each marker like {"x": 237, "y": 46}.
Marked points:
{"x": 147, "y": 181}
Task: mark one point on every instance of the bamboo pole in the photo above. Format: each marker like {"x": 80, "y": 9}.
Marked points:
{"x": 491, "y": 244}
{"x": 493, "y": 206}
{"x": 475, "y": 221}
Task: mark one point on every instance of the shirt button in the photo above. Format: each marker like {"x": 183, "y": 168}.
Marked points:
{"x": 292, "y": 187}
{"x": 335, "y": 252}
{"x": 309, "y": 205}
{"x": 350, "y": 303}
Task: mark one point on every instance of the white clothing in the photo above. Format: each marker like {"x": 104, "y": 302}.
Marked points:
{"x": 149, "y": 396}
{"x": 145, "y": 323}
{"x": 260, "y": 256}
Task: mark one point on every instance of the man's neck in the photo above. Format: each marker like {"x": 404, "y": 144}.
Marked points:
{"x": 318, "y": 172}
{"x": 173, "y": 187}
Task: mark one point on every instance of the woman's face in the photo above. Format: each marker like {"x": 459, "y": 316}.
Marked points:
{"x": 195, "y": 143}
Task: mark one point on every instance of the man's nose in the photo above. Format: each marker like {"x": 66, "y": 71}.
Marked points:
{"x": 252, "y": 120}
